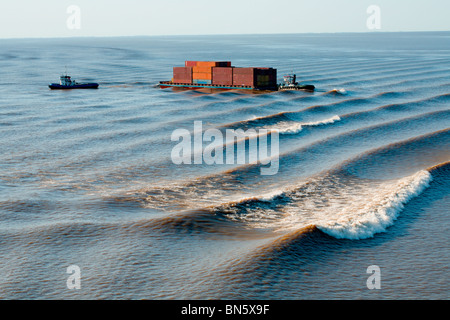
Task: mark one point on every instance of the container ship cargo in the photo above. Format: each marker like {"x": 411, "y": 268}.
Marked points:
{"x": 221, "y": 75}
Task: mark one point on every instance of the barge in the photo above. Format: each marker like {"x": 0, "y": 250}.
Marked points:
{"x": 221, "y": 75}
{"x": 171, "y": 84}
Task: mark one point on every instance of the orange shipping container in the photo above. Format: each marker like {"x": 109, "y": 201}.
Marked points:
{"x": 206, "y": 64}
{"x": 202, "y": 76}
{"x": 202, "y": 69}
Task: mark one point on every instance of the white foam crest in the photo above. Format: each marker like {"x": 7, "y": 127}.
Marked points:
{"x": 341, "y": 91}
{"x": 259, "y": 218}
{"x": 270, "y": 196}
{"x": 290, "y": 128}
{"x": 264, "y": 197}
{"x": 379, "y": 212}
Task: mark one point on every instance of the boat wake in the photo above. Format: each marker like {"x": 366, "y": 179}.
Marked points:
{"x": 361, "y": 220}
{"x": 290, "y": 127}
{"x": 337, "y": 203}
{"x": 341, "y": 92}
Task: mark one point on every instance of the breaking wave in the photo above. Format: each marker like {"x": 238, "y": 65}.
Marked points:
{"x": 378, "y": 212}
{"x": 293, "y": 128}
{"x": 340, "y": 91}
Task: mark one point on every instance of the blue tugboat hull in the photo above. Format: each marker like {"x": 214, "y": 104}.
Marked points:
{"x": 76, "y": 86}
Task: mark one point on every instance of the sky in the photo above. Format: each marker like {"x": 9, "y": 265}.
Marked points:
{"x": 51, "y": 18}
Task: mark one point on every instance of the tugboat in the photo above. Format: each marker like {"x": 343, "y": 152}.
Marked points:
{"x": 290, "y": 83}
{"x": 66, "y": 82}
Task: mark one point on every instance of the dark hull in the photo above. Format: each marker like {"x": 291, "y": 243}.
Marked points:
{"x": 306, "y": 87}
{"x": 169, "y": 84}
{"x": 55, "y": 86}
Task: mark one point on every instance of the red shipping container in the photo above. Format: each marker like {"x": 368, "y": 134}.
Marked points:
{"x": 182, "y": 70}
{"x": 223, "y": 80}
{"x": 182, "y": 80}
{"x": 190, "y": 64}
{"x": 247, "y": 77}
{"x": 244, "y": 77}
{"x": 182, "y": 74}
{"x": 244, "y": 71}
{"x": 244, "y": 80}
{"x": 223, "y": 76}
{"x": 223, "y": 70}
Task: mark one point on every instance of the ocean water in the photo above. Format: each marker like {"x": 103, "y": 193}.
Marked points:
{"x": 87, "y": 178}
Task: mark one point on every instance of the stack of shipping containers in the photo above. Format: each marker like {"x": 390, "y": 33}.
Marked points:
{"x": 182, "y": 75}
{"x": 223, "y": 74}
{"x": 202, "y": 72}
{"x": 244, "y": 77}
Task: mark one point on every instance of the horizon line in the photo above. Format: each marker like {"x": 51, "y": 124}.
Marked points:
{"x": 221, "y": 34}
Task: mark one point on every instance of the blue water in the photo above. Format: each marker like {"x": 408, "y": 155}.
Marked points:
{"x": 87, "y": 178}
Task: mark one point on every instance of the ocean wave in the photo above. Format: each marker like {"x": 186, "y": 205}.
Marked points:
{"x": 300, "y": 161}
{"x": 412, "y": 83}
{"x": 336, "y": 91}
{"x": 293, "y": 128}
{"x": 353, "y": 69}
{"x": 378, "y": 212}
{"x": 309, "y": 110}
{"x": 272, "y": 118}
{"x": 235, "y": 188}
{"x": 392, "y": 94}
{"x": 340, "y": 206}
